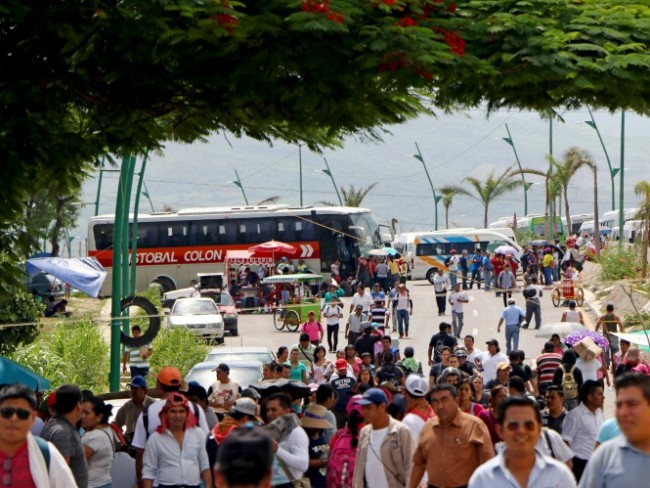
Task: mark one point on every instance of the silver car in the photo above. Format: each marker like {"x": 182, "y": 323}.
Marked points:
{"x": 200, "y": 315}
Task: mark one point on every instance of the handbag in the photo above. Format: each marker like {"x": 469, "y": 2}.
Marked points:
{"x": 301, "y": 483}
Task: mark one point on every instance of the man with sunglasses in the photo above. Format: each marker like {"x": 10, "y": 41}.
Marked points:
{"x": 23, "y": 457}
{"x": 519, "y": 424}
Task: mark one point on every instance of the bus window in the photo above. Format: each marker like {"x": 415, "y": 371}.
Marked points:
{"x": 103, "y": 234}
{"x": 173, "y": 234}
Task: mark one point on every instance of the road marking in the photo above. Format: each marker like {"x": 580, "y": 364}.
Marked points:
{"x": 475, "y": 313}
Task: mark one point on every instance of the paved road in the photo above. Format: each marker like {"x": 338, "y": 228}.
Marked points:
{"x": 481, "y": 319}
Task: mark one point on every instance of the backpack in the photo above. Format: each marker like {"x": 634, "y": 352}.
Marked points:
{"x": 569, "y": 385}
{"x": 340, "y": 468}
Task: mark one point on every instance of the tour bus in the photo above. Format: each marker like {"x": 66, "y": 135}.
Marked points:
{"x": 536, "y": 224}
{"x": 502, "y": 222}
{"x": 610, "y": 219}
{"x": 174, "y": 246}
{"x": 577, "y": 220}
{"x": 432, "y": 250}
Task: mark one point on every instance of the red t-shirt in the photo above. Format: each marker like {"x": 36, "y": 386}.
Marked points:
{"x": 21, "y": 476}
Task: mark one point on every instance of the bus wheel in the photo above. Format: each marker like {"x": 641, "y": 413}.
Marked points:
{"x": 166, "y": 283}
{"x": 430, "y": 274}
{"x": 150, "y": 311}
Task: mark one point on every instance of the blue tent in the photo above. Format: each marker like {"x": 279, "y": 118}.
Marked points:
{"x": 11, "y": 372}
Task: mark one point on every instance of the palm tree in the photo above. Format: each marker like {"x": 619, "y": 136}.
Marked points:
{"x": 549, "y": 194}
{"x": 492, "y": 188}
{"x": 642, "y": 189}
{"x": 572, "y": 161}
{"x": 269, "y": 201}
{"x": 352, "y": 197}
{"x": 448, "y": 193}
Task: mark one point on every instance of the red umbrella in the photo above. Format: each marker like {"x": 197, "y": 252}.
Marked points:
{"x": 273, "y": 247}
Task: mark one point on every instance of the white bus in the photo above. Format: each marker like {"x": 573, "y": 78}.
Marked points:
{"x": 577, "y": 220}
{"x": 610, "y": 219}
{"x": 173, "y": 247}
{"x": 432, "y": 250}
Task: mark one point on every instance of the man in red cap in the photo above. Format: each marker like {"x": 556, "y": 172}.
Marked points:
{"x": 168, "y": 381}
{"x": 343, "y": 382}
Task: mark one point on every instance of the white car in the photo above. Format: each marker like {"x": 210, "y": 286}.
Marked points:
{"x": 200, "y": 315}
{"x": 245, "y": 353}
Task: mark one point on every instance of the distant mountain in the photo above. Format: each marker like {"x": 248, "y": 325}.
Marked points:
{"x": 453, "y": 145}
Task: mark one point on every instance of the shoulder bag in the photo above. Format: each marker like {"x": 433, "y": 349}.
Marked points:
{"x": 301, "y": 483}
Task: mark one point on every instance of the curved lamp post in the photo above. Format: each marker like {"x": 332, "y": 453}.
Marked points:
{"x": 526, "y": 185}
{"x": 612, "y": 171}
{"x": 238, "y": 183}
{"x": 436, "y": 198}
{"x": 328, "y": 172}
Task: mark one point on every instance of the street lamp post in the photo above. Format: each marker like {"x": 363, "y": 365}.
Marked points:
{"x": 328, "y": 172}
{"x": 621, "y": 182}
{"x": 436, "y": 199}
{"x": 612, "y": 171}
{"x": 300, "y": 169}
{"x": 526, "y": 185}
{"x": 238, "y": 183}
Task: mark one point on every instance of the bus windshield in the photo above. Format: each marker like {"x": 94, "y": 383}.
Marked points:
{"x": 366, "y": 230}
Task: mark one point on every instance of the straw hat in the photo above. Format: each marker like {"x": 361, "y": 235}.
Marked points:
{"x": 314, "y": 418}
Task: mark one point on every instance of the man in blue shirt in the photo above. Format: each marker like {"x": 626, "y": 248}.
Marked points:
{"x": 512, "y": 315}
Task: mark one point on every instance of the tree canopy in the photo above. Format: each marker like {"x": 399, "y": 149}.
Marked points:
{"x": 82, "y": 79}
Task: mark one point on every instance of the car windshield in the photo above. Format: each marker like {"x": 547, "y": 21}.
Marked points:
{"x": 263, "y": 357}
{"x": 244, "y": 376}
{"x": 195, "y": 307}
{"x": 224, "y": 299}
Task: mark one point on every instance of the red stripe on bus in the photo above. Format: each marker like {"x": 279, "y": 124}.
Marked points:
{"x": 202, "y": 254}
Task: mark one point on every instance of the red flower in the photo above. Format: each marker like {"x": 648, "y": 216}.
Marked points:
{"x": 406, "y": 22}
{"x": 452, "y": 7}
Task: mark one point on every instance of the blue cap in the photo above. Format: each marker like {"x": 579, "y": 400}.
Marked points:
{"x": 138, "y": 382}
{"x": 373, "y": 395}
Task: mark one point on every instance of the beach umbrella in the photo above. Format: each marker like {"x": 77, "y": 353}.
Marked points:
{"x": 505, "y": 249}
{"x": 11, "y": 372}
{"x": 600, "y": 340}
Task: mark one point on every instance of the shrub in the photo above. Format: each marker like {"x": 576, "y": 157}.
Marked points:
{"x": 618, "y": 264}
{"x": 20, "y": 308}
{"x": 74, "y": 353}
{"x": 177, "y": 347}
{"x": 637, "y": 321}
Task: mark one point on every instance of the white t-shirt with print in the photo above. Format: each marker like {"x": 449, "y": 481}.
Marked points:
{"x": 374, "y": 469}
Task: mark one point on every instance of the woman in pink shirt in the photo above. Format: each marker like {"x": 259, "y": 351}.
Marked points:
{"x": 313, "y": 329}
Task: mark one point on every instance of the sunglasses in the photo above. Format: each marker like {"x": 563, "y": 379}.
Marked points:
{"x": 8, "y": 412}
{"x": 513, "y": 425}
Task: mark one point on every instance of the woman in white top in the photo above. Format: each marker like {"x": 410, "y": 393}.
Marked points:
{"x": 98, "y": 442}
{"x": 589, "y": 365}
{"x": 573, "y": 315}
{"x": 319, "y": 366}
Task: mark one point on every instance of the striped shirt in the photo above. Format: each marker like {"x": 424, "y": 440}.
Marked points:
{"x": 547, "y": 363}
{"x": 136, "y": 359}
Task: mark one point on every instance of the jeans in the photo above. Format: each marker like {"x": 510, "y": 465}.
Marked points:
{"x": 506, "y": 294}
{"x": 548, "y": 275}
{"x": 487, "y": 277}
{"x": 383, "y": 283}
{"x": 533, "y": 308}
{"x": 403, "y": 322}
{"x": 464, "y": 275}
{"x": 512, "y": 337}
{"x": 139, "y": 371}
{"x": 453, "y": 278}
{"x": 476, "y": 275}
{"x": 333, "y": 336}
{"x": 457, "y": 322}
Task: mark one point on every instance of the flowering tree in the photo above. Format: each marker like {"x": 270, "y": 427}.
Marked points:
{"x": 81, "y": 79}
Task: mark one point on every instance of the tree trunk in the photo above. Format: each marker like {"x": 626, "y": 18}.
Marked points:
{"x": 447, "y": 217}
{"x": 596, "y": 223}
{"x": 567, "y": 215}
{"x": 485, "y": 216}
{"x": 646, "y": 243}
{"x": 547, "y": 228}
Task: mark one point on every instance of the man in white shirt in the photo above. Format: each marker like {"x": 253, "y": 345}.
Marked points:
{"x": 472, "y": 351}
{"x": 168, "y": 381}
{"x": 456, "y": 299}
{"x": 385, "y": 445}
{"x": 519, "y": 424}
{"x": 361, "y": 298}
{"x": 440, "y": 286}
{"x": 581, "y": 425}
{"x": 225, "y": 390}
{"x": 488, "y": 360}
{"x": 453, "y": 267}
{"x": 292, "y": 452}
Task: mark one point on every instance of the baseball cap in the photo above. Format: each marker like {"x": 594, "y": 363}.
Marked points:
{"x": 493, "y": 342}
{"x": 366, "y": 355}
{"x": 138, "y": 382}
{"x": 511, "y": 301}
{"x": 250, "y": 393}
{"x": 353, "y": 405}
{"x": 416, "y": 385}
{"x": 170, "y": 376}
{"x": 341, "y": 364}
{"x": 460, "y": 352}
{"x": 245, "y": 406}
{"x": 453, "y": 251}
{"x": 503, "y": 365}
{"x": 373, "y": 395}
{"x": 223, "y": 367}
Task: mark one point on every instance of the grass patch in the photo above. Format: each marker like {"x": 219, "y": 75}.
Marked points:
{"x": 177, "y": 347}
{"x": 618, "y": 264}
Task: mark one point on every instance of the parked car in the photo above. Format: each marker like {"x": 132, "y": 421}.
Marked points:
{"x": 246, "y": 373}
{"x": 45, "y": 285}
{"x": 251, "y": 353}
{"x": 200, "y": 315}
{"x": 228, "y": 309}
